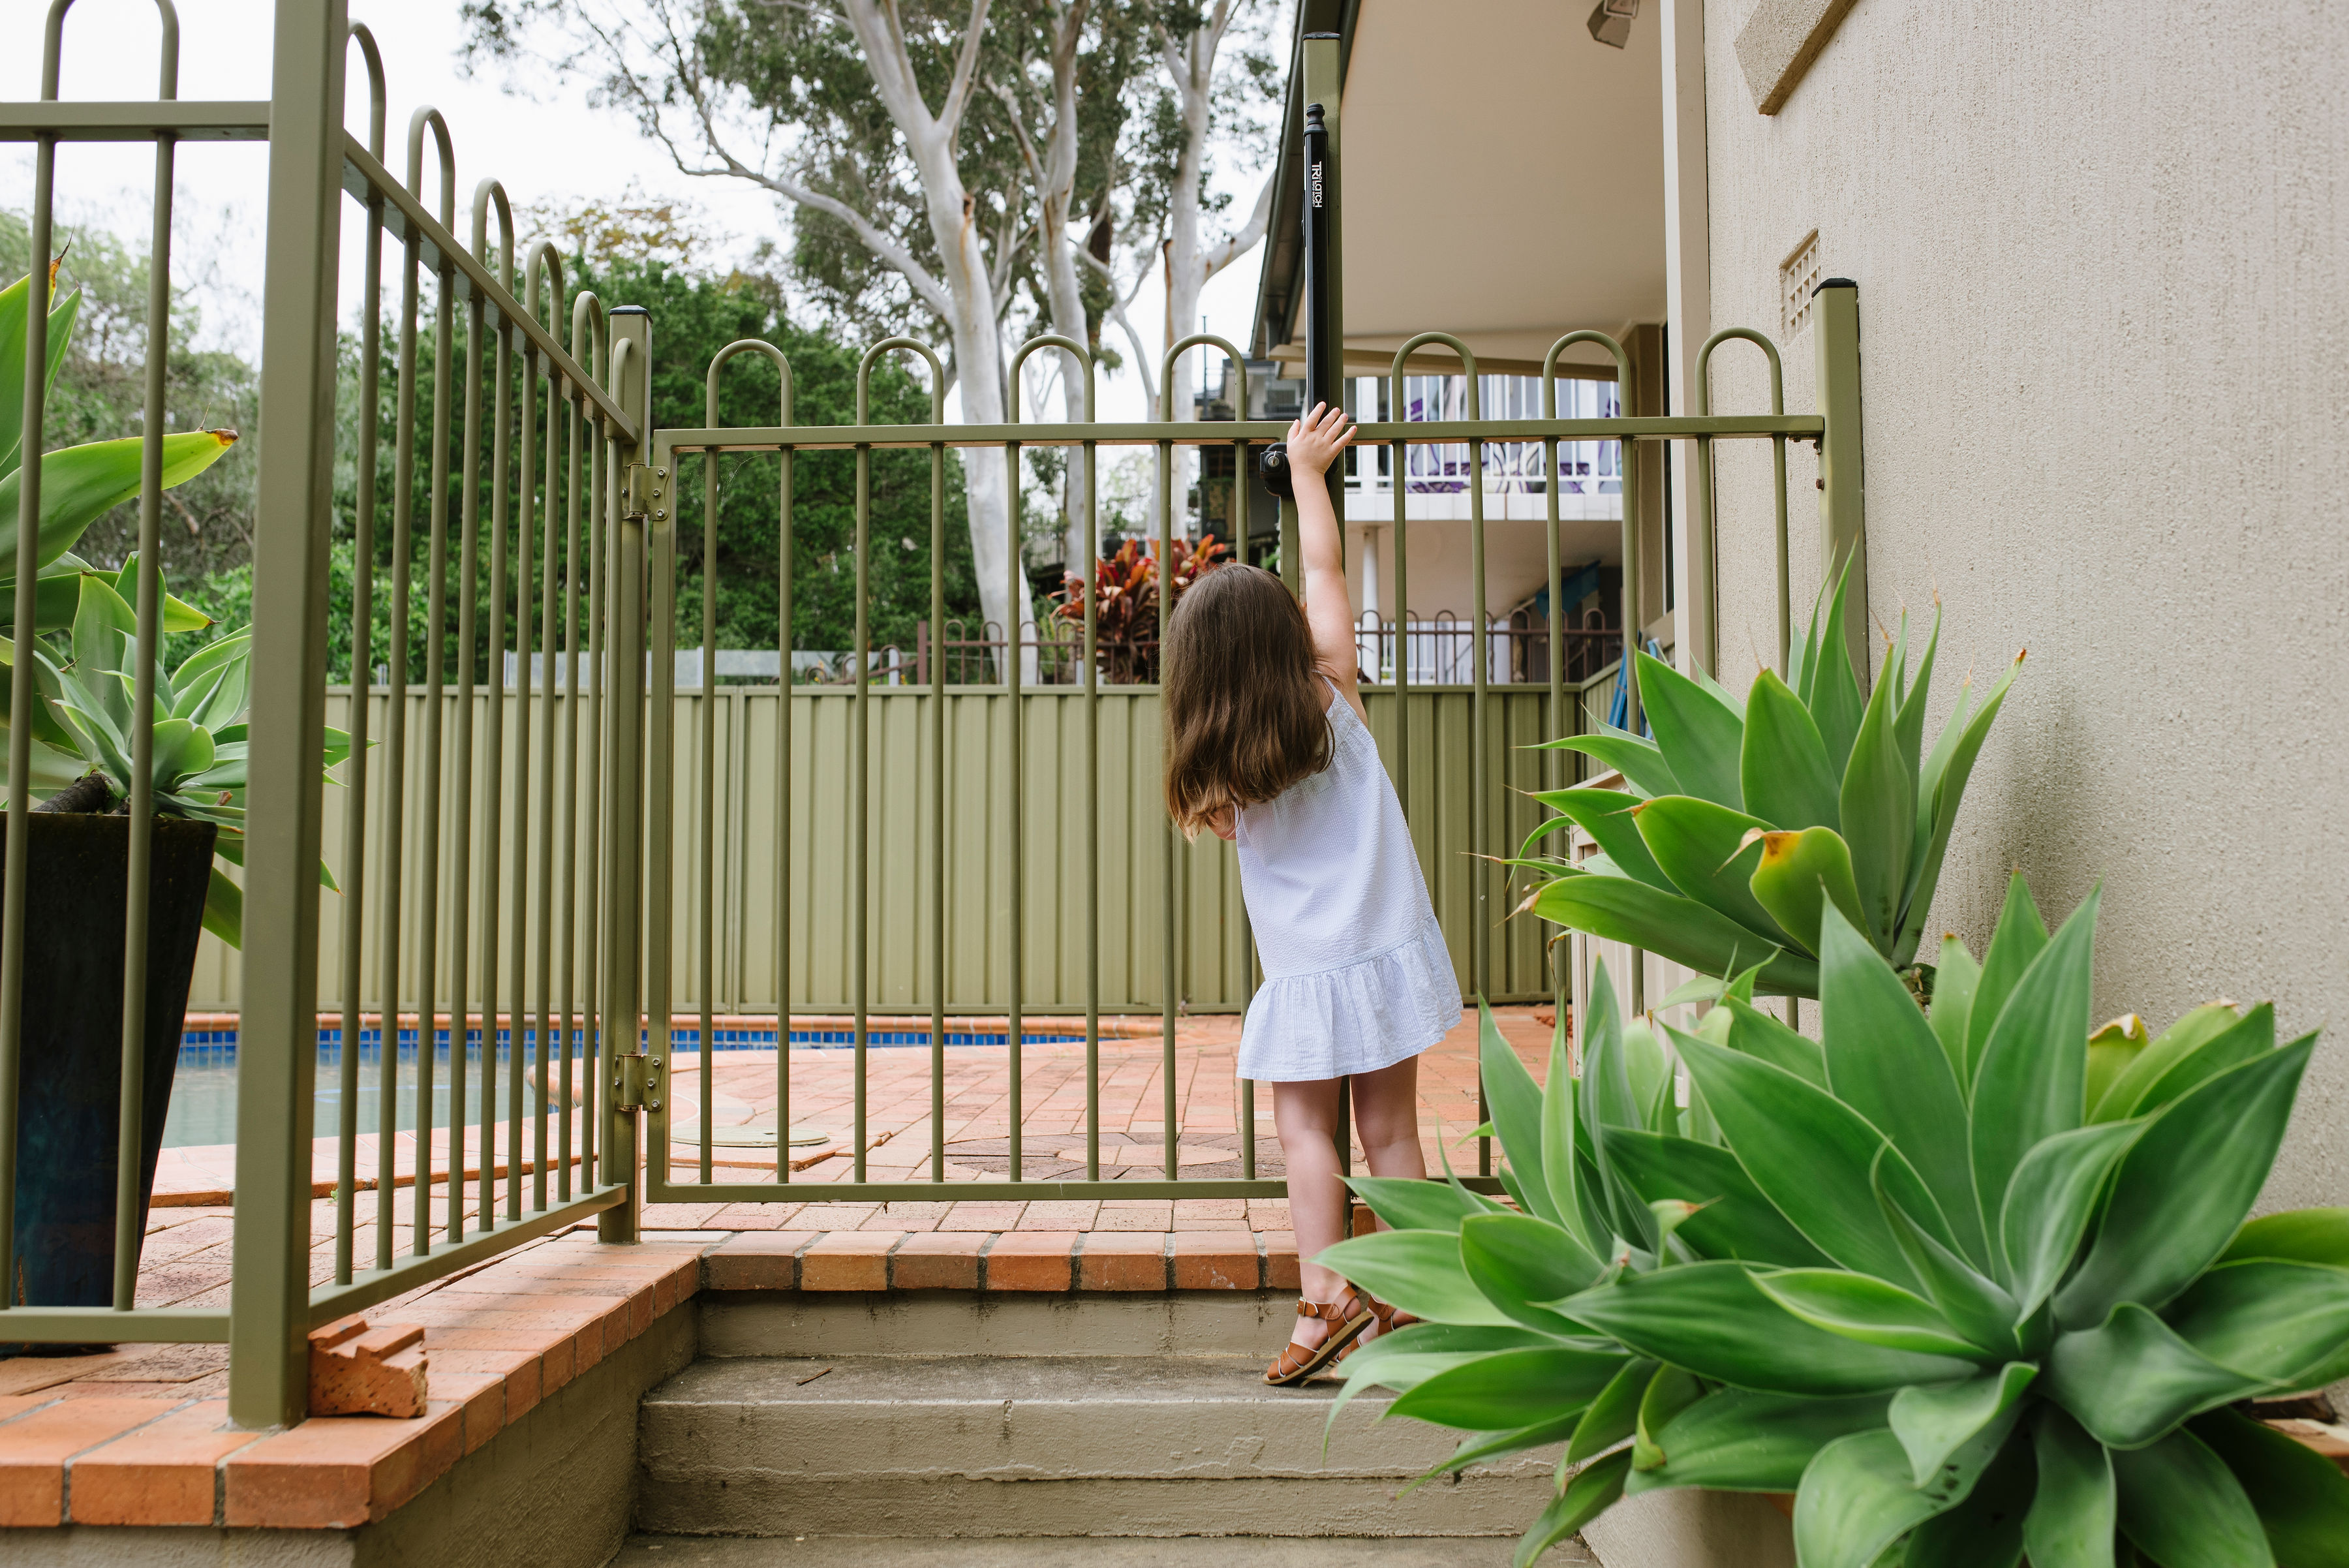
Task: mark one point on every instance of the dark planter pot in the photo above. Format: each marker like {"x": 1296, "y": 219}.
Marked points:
{"x": 70, "y": 1084}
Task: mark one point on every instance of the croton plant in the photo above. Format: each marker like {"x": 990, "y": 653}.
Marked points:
{"x": 1973, "y": 1283}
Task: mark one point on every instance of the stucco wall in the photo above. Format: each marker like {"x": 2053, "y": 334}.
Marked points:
{"x": 2105, "y": 318}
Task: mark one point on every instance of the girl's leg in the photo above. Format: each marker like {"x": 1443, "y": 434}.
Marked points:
{"x": 1304, "y": 1115}
{"x": 1386, "y": 1119}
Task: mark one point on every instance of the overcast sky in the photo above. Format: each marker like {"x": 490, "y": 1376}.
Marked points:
{"x": 554, "y": 147}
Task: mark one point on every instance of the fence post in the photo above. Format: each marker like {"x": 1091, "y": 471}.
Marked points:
{"x": 269, "y": 1373}
{"x": 623, "y": 852}
{"x": 1842, "y": 525}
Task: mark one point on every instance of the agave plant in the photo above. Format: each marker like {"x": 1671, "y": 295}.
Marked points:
{"x": 82, "y": 731}
{"x": 1972, "y": 1286}
{"x": 80, "y": 484}
{"x": 1740, "y": 820}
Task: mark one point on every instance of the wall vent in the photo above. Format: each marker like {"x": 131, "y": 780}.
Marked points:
{"x": 1798, "y": 278}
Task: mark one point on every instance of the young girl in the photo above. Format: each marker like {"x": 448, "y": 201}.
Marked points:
{"x": 1266, "y": 746}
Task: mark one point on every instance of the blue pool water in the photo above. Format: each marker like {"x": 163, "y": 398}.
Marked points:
{"x": 204, "y": 1087}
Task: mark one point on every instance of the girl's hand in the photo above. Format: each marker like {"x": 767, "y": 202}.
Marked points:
{"x": 1315, "y": 441}
{"x": 1220, "y": 823}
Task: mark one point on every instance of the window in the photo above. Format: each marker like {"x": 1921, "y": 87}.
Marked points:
{"x": 1798, "y": 279}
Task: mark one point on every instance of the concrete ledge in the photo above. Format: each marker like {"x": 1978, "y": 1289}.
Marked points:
{"x": 1048, "y": 1262}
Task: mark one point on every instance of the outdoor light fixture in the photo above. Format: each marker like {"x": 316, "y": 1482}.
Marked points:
{"x": 1610, "y": 22}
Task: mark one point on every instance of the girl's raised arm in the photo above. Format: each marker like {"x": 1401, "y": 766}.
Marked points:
{"x": 1314, "y": 442}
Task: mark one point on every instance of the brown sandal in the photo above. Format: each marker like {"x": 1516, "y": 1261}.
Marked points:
{"x": 1389, "y": 1318}
{"x": 1347, "y": 1318}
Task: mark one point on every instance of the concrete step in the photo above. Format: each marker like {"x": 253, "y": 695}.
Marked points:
{"x": 1186, "y": 1551}
{"x": 967, "y": 1446}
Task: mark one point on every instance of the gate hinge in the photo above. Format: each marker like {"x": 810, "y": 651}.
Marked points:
{"x": 646, "y": 491}
{"x": 635, "y": 1081}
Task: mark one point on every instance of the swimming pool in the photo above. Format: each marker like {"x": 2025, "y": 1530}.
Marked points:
{"x": 203, "y": 1086}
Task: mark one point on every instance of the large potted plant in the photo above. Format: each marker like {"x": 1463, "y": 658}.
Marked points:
{"x": 78, "y": 851}
{"x": 1740, "y": 819}
{"x": 1972, "y": 1285}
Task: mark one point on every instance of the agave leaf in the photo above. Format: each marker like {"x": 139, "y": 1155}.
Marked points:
{"x": 1933, "y": 1422}
{"x": 2269, "y": 1319}
{"x": 181, "y": 749}
{"x": 2074, "y": 1513}
{"x": 1802, "y": 657}
{"x": 1668, "y": 1392}
{"x": 1556, "y": 1138}
{"x": 1699, "y": 735}
{"x": 100, "y": 627}
{"x": 2050, "y": 1203}
{"x": 1605, "y": 816}
{"x": 1608, "y": 1100}
{"x": 1414, "y": 1205}
{"x": 1908, "y": 730}
{"x": 1712, "y": 1319}
{"x": 1515, "y": 1106}
{"x": 1705, "y": 851}
{"x": 2174, "y": 1045}
{"x": 1637, "y": 759}
{"x": 2029, "y": 1082}
{"x": 2186, "y": 1186}
{"x": 1593, "y": 1491}
{"x": 1734, "y": 1221}
{"x": 1985, "y": 1530}
{"x": 1799, "y": 875}
{"x": 1613, "y": 1415}
{"x": 80, "y": 484}
{"x": 1811, "y": 1155}
{"x": 1954, "y": 979}
{"x": 15, "y": 310}
{"x": 2252, "y": 1036}
{"x": 224, "y": 909}
{"x": 1651, "y": 1075}
{"x": 1883, "y": 1061}
{"x": 1510, "y": 1388}
{"x": 1476, "y": 1450}
{"x": 1759, "y": 1035}
{"x": 1857, "y": 1500}
{"x": 2181, "y": 1506}
{"x": 1879, "y": 818}
{"x": 1783, "y": 771}
{"x": 1617, "y": 908}
{"x": 2019, "y": 936}
{"x": 1418, "y": 1270}
{"x": 1833, "y": 694}
{"x": 1860, "y": 1307}
{"x": 2302, "y": 1498}
{"x": 2136, "y": 1377}
{"x": 1736, "y": 1441}
{"x": 2111, "y": 1048}
{"x": 2301, "y": 1235}
{"x": 1948, "y": 794}
{"x": 1975, "y": 1306}
{"x": 1516, "y": 1261}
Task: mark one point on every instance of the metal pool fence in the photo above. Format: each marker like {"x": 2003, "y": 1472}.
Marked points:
{"x": 511, "y": 849}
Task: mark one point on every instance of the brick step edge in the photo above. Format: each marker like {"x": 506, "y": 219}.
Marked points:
{"x": 1035, "y": 1260}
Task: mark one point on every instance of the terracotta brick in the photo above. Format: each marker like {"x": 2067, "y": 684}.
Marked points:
{"x": 937, "y": 1261}
{"x": 849, "y": 1260}
{"x": 982, "y": 1217}
{"x": 1281, "y": 1263}
{"x": 162, "y": 1473}
{"x": 480, "y": 1396}
{"x": 521, "y": 1372}
{"x": 359, "y": 1369}
{"x": 1216, "y": 1261}
{"x": 558, "y": 1364}
{"x": 1031, "y": 1260}
{"x": 339, "y": 1471}
{"x": 756, "y": 1261}
{"x": 641, "y": 1310}
{"x": 1122, "y": 1261}
{"x": 34, "y": 1448}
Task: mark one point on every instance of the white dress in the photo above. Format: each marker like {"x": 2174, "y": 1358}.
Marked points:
{"x": 1356, "y": 976}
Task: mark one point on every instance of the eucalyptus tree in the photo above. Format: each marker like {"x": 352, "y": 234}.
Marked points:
{"x": 934, "y": 156}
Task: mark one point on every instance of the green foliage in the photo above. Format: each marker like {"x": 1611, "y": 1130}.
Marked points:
{"x": 1743, "y": 822}
{"x": 86, "y": 723}
{"x": 1958, "y": 1312}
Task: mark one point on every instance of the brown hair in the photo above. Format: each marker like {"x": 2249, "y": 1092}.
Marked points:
{"x": 1246, "y": 712}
